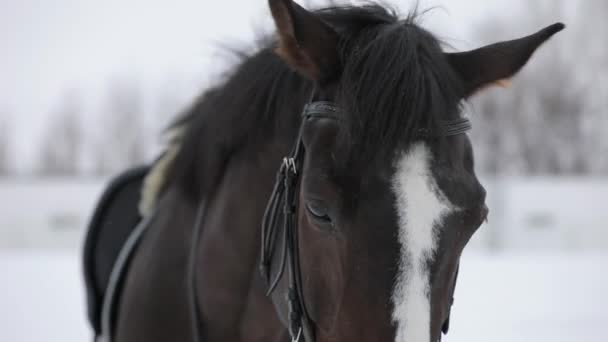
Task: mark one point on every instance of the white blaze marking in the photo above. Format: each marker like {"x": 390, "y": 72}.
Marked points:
{"x": 420, "y": 207}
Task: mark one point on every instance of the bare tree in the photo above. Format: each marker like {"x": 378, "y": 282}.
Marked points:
{"x": 591, "y": 55}
{"x": 5, "y": 158}
{"x": 60, "y": 151}
{"x": 121, "y": 140}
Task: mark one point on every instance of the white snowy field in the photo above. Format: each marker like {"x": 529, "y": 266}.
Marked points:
{"x": 546, "y": 297}
{"x": 46, "y": 213}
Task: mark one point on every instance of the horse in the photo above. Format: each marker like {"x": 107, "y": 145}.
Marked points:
{"x": 358, "y": 235}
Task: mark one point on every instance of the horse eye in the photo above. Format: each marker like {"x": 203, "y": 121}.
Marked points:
{"x": 318, "y": 212}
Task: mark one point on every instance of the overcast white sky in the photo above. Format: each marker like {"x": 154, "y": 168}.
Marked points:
{"x": 49, "y": 48}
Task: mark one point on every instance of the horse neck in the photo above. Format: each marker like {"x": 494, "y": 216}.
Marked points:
{"x": 230, "y": 288}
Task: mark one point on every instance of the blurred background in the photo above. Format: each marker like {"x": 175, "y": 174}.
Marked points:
{"x": 86, "y": 88}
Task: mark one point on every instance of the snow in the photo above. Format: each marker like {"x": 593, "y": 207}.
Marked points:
{"x": 42, "y": 297}
{"x": 49, "y": 213}
{"x": 528, "y": 297}
{"x": 545, "y": 297}
{"x": 558, "y": 213}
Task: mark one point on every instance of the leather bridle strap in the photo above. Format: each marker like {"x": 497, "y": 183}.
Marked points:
{"x": 285, "y": 195}
{"x": 197, "y": 330}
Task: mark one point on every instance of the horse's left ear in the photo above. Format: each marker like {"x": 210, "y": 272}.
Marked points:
{"x": 497, "y": 62}
{"x": 306, "y": 42}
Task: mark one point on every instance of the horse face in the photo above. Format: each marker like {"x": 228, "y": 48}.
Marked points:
{"x": 380, "y": 238}
{"x": 380, "y": 242}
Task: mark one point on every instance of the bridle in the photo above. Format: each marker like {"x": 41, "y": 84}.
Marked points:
{"x": 283, "y": 206}
{"x": 284, "y": 196}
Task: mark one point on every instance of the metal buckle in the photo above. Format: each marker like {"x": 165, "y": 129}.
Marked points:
{"x": 290, "y": 162}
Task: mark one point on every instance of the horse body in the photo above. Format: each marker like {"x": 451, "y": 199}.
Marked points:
{"x": 382, "y": 212}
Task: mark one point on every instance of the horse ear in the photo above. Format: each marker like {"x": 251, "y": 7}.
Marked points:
{"x": 306, "y": 43}
{"x": 497, "y": 62}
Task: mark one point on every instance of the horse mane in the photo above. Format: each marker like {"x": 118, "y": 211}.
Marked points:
{"x": 395, "y": 80}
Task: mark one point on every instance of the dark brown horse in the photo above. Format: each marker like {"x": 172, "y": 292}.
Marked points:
{"x": 382, "y": 180}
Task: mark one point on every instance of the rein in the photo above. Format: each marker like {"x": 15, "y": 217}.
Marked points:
{"x": 283, "y": 206}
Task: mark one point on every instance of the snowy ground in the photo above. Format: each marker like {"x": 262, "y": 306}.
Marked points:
{"x": 46, "y": 213}
{"x": 539, "y": 298}
{"x": 41, "y": 297}
{"x": 499, "y": 298}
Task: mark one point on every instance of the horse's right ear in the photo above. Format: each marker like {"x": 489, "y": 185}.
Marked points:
{"x": 306, "y": 42}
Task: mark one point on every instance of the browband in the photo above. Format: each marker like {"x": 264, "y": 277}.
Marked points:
{"x": 329, "y": 110}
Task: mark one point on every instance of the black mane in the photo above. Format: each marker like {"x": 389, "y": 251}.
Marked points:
{"x": 395, "y": 80}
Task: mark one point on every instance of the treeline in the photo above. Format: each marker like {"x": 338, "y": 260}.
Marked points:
{"x": 116, "y": 141}
{"x": 552, "y": 120}
{"x": 121, "y": 132}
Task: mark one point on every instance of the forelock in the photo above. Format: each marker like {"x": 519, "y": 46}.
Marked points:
{"x": 395, "y": 81}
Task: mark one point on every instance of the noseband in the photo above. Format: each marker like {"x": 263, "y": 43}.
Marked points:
{"x": 283, "y": 206}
